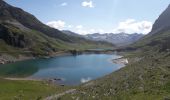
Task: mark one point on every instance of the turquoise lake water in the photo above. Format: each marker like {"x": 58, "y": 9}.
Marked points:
{"x": 72, "y": 70}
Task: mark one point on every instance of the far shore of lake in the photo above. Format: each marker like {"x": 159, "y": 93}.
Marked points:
{"x": 5, "y": 58}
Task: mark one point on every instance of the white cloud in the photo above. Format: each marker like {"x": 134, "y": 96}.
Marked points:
{"x": 133, "y": 26}
{"x": 87, "y": 4}
{"x": 81, "y": 31}
{"x": 56, "y": 24}
{"x": 86, "y": 31}
{"x": 84, "y": 80}
{"x": 79, "y": 26}
{"x": 64, "y": 4}
{"x": 128, "y": 26}
{"x": 70, "y": 26}
{"x": 101, "y": 31}
{"x": 92, "y": 30}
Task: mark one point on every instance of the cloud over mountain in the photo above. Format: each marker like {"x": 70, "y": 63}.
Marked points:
{"x": 56, "y": 24}
{"x": 133, "y": 26}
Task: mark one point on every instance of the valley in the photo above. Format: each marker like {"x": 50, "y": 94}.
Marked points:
{"x": 40, "y": 62}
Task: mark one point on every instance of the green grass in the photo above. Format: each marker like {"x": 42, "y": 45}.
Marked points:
{"x": 27, "y": 90}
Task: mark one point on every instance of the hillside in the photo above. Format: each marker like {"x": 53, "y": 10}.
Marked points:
{"x": 23, "y": 33}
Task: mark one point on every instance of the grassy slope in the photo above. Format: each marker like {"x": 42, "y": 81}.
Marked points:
{"x": 26, "y": 90}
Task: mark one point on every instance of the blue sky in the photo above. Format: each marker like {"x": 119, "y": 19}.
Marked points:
{"x": 90, "y": 16}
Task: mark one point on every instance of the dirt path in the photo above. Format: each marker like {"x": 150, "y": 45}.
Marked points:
{"x": 55, "y": 97}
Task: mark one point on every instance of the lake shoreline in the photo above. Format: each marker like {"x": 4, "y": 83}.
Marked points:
{"x": 56, "y": 80}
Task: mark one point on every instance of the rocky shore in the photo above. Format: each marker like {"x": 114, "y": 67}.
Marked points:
{"x": 5, "y": 58}
{"x": 121, "y": 60}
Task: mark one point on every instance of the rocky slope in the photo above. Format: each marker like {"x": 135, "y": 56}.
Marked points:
{"x": 162, "y": 23}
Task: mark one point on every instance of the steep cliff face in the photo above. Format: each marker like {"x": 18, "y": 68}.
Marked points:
{"x": 163, "y": 22}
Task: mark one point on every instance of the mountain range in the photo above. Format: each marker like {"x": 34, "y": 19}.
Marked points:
{"x": 118, "y": 39}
